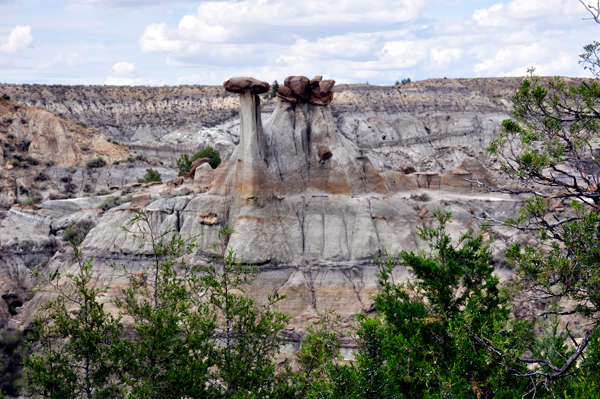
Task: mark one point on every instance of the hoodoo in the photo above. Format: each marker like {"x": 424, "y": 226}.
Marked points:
{"x": 295, "y": 190}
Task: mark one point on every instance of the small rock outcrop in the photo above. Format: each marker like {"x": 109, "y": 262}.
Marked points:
{"x": 470, "y": 176}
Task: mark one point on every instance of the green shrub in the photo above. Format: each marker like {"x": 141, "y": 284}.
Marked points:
{"x": 150, "y": 176}
{"x": 108, "y": 203}
{"x": 14, "y": 349}
{"x": 125, "y": 199}
{"x": 31, "y": 160}
{"x": 29, "y": 201}
{"x": 24, "y": 144}
{"x": 101, "y": 191}
{"x": 184, "y": 163}
{"x": 87, "y": 188}
{"x": 77, "y": 232}
{"x": 96, "y": 162}
{"x": 127, "y": 190}
{"x": 71, "y": 187}
{"x": 49, "y": 163}
{"x": 41, "y": 176}
{"x": 424, "y": 197}
{"x": 50, "y": 245}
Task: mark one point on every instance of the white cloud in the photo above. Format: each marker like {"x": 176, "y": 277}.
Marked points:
{"x": 274, "y": 22}
{"x": 157, "y": 38}
{"x": 131, "y": 81}
{"x": 208, "y": 41}
{"x": 126, "y": 3}
{"x": 445, "y": 56}
{"x": 513, "y": 60}
{"x": 519, "y": 10}
{"x": 56, "y": 60}
{"x": 376, "y": 40}
{"x": 20, "y": 38}
{"x": 72, "y": 59}
{"x": 124, "y": 68}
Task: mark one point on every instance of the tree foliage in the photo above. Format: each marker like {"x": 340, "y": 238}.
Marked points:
{"x": 73, "y": 356}
{"x": 14, "y": 348}
{"x": 551, "y": 152}
{"x": 248, "y": 337}
{"x": 192, "y": 332}
{"x": 168, "y": 356}
{"x": 431, "y": 336}
{"x": 151, "y": 175}
{"x": 184, "y": 163}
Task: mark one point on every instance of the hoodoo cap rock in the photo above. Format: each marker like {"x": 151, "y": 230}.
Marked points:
{"x": 240, "y": 85}
{"x": 300, "y": 89}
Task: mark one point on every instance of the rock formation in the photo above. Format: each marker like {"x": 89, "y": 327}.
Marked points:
{"x": 306, "y": 203}
{"x": 299, "y": 89}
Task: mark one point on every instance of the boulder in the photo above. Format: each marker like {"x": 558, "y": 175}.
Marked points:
{"x": 317, "y": 98}
{"x": 285, "y": 93}
{"x": 300, "y": 86}
{"x": 321, "y": 91}
{"x": 203, "y": 176}
{"x": 326, "y": 86}
{"x": 196, "y": 164}
{"x": 243, "y": 84}
{"x": 324, "y": 153}
{"x": 398, "y": 181}
{"x": 299, "y": 89}
{"x": 176, "y": 181}
{"x": 314, "y": 82}
{"x": 139, "y": 201}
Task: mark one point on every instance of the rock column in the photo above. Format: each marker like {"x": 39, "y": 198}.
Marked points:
{"x": 252, "y": 149}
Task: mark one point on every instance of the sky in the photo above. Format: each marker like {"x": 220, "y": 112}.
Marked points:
{"x": 163, "y": 42}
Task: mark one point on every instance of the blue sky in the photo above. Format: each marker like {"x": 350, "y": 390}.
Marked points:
{"x": 158, "y": 42}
